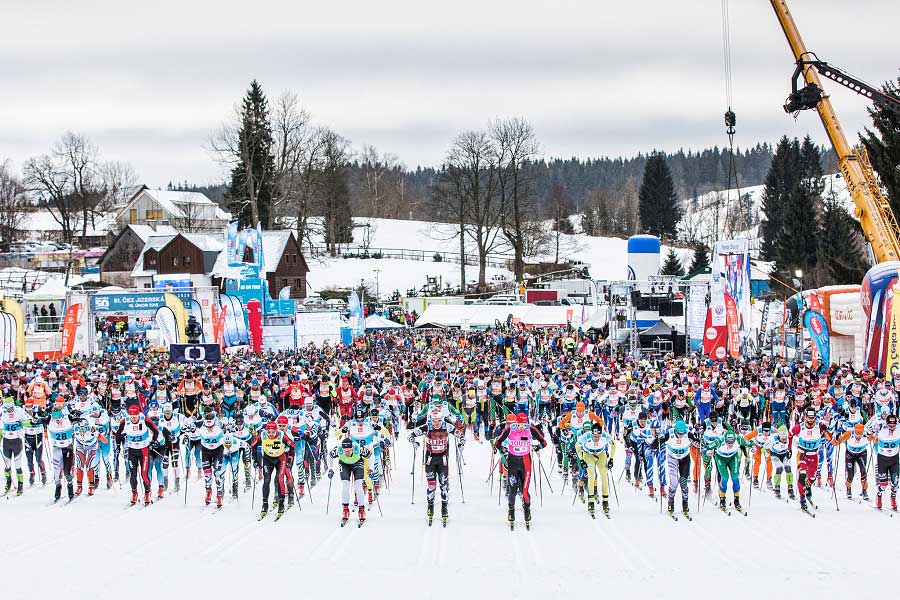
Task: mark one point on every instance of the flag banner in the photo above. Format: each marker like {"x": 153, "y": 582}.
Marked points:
{"x": 70, "y": 326}
{"x": 818, "y": 332}
{"x": 195, "y": 353}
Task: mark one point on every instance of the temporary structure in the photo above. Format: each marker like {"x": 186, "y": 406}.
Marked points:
{"x": 379, "y": 322}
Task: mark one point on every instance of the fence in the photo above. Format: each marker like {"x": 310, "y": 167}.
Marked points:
{"x": 498, "y": 261}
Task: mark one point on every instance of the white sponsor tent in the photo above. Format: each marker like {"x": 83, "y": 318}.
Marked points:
{"x": 487, "y": 315}
{"x": 379, "y": 322}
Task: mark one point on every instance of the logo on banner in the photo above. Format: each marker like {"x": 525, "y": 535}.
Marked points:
{"x": 711, "y": 333}
{"x": 194, "y": 353}
{"x": 100, "y": 302}
{"x": 720, "y": 353}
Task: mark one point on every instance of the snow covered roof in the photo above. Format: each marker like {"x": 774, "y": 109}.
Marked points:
{"x": 379, "y": 322}
{"x": 156, "y": 242}
{"x": 43, "y": 220}
{"x": 172, "y": 202}
{"x": 53, "y": 289}
{"x": 145, "y": 232}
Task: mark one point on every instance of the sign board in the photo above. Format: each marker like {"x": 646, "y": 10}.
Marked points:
{"x": 147, "y": 303}
{"x": 195, "y": 353}
{"x": 170, "y": 283}
{"x": 278, "y": 337}
{"x": 318, "y": 327}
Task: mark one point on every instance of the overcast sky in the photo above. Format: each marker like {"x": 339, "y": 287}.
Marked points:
{"x": 149, "y": 82}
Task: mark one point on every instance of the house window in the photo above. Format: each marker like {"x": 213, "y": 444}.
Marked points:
{"x": 284, "y": 284}
{"x": 300, "y": 285}
{"x": 174, "y": 261}
{"x": 146, "y": 285}
{"x": 151, "y": 260}
{"x": 154, "y": 214}
{"x": 186, "y": 261}
{"x": 132, "y": 216}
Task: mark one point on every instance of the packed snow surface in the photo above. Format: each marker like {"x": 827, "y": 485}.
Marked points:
{"x": 98, "y": 548}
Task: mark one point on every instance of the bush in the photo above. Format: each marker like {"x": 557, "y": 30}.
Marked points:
{"x": 376, "y": 255}
{"x": 438, "y": 257}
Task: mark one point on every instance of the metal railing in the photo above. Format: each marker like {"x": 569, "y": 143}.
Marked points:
{"x": 499, "y": 261}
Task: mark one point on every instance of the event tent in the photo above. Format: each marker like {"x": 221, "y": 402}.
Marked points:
{"x": 379, "y": 322}
{"x": 486, "y": 315}
{"x": 53, "y": 290}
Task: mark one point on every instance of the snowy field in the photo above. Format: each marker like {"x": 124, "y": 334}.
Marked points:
{"x": 97, "y": 548}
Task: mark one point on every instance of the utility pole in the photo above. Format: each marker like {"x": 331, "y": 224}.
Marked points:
{"x": 377, "y": 287}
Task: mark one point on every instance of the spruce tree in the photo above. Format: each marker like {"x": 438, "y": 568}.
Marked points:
{"x": 250, "y": 190}
{"x": 672, "y": 266}
{"x": 700, "y": 260}
{"x": 842, "y": 258}
{"x": 883, "y": 146}
{"x": 657, "y": 202}
{"x": 781, "y": 182}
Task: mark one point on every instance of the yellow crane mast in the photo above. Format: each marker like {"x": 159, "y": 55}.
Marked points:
{"x": 872, "y": 209}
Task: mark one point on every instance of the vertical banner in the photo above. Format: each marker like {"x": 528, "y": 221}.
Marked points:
{"x": 70, "y": 326}
{"x": 254, "y": 319}
{"x": 357, "y": 323}
{"x": 165, "y": 322}
{"x": 697, "y": 311}
{"x": 714, "y": 338}
{"x": 818, "y": 332}
{"x": 732, "y": 268}
{"x": 231, "y": 244}
{"x": 220, "y": 327}
{"x": 197, "y": 313}
{"x": 177, "y": 306}
{"x": 732, "y": 325}
{"x": 892, "y": 366}
{"x": 258, "y": 249}
{"x": 14, "y": 309}
{"x": 763, "y": 325}
{"x": 7, "y": 330}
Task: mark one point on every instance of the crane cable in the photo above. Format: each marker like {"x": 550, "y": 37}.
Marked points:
{"x": 730, "y": 120}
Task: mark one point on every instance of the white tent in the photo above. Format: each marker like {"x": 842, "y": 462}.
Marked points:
{"x": 379, "y": 322}
{"x": 54, "y": 290}
{"x": 486, "y": 315}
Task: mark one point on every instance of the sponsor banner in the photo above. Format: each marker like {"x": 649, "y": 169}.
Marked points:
{"x": 357, "y": 322}
{"x": 254, "y": 320}
{"x": 278, "y": 337}
{"x": 14, "y": 309}
{"x": 734, "y": 339}
{"x": 69, "y": 329}
{"x": 7, "y": 329}
{"x": 764, "y": 323}
{"x": 892, "y": 368}
{"x": 165, "y": 322}
{"x": 132, "y": 303}
{"x": 818, "y": 332}
{"x": 195, "y": 353}
{"x": 170, "y": 283}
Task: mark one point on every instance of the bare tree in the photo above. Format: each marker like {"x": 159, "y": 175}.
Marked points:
{"x": 380, "y": 172}
{"x": 292, "y": 137}
{"x": 191, "y": 219}
{"x": 471, "y": 159}
{"x": 332, "y": 193}
{"x": 515, "y": 146}
{"x": 12, "y": 202}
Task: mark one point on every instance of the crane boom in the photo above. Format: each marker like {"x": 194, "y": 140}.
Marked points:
{"x": 872, "y": 209}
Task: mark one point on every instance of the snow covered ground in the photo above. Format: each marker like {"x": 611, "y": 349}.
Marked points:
{"x": 96, "y": 548}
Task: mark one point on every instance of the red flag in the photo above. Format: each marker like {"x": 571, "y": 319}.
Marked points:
{"x": 70, "y": 326}
{"x": 713, "y": 338}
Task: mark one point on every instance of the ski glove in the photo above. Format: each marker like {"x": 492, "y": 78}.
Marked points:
{"x": 609, "y": 464}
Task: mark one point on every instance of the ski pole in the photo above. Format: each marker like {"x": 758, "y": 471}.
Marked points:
{"x": 546, "y": 477}
{"x": 253, "y": 469}
{"x": 459, "y": 470}
{"x": 834, "y": 487}
{"x": 187, "y": 476}
{"x": 328, "y": 502}
{"x": 613, "y": 480}
{"x": 413, "y": 473}
{"x": 378, "y": 504}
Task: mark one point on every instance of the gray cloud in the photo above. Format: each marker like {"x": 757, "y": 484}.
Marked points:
{"x": 150, "y": 82}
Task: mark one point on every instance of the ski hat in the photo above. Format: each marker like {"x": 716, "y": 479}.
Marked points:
{"x": 347, "y": 443}
{"x": 596, "y": 427}
{"x": 281, "y": 420}
{"x": 8, "y": 403}
{"x": 133, "y": 410}
{"x": 511, "y": 418}
{"x": 859, "y": 429}
{"x": 271, "y": 427}
{"x": 730, "y": 437}
{"x": 522, "y": 419}
{"x": 57, "y": 414}
{"x": 579, "y": 406}
{"x": 892, "y": 419}
{"x": 782, "y": 429}
{"x": 680, "y": 427}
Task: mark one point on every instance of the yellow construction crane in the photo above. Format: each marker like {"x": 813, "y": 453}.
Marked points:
{"x": 872, "y": 209}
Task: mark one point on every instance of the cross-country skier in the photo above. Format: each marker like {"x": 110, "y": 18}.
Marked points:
{"x": 519, "y": 464}
{"x": 437, "y": 431}
{"x": 597, "y": 448}
{"x": 350, "y": 455}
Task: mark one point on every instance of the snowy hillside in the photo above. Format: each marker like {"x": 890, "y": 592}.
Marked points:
{"x": 700, "y": 212}
{"x": 607, "y": 257}
{"x": 639, "y": 552}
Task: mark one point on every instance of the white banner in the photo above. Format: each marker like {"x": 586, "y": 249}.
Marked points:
{"x": 318, "y": 328}
{"x": 696, "y": 310}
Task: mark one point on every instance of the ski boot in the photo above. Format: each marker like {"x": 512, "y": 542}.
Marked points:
{"x": 280, "y": 508}
{"x": 31, "y": 478}
{"x": 218, "y": 500}
{"x": 20, "y": 488}
{"x": 662, "y": 491}
{"x": 707, "y": 487}
{"x": 671, "y": 505}
{"x": 818, "y": 481}
{"x": 301, "y": 491}
{"x": 58, "y": 492}
{"x": 8, "y": 485}
{"x": 756, "y": 482}
{"x": 737, "y": 503}
{"x": 362, "y": 515}
{"x": 747, "y": 472}
{"x": 371, "y": 498}
{"x": 177, "y": 484}
{"x": 109, "y": 482}
{"x": 791, "y": 495}
{"x": 265, "y": 510}
{"x": 78, "y": 489}
{"x": 605, "y": 507}
{"x": 147, "y": 498}
{"x": 768, "y": 483}
{"x": 628, "y": 476}
{"x": 160, "y": 492}
{"x": 345, "y": 515}
{"x": 803, "y": 502}
{"x": 591, "y": 508}
{"x": 91, "y": 489}
{"x": 444, "y": 514}
{"x": 878, "y": 500}
{"x": 650, "y": 490}
{"x": 893, "y": 502}
{"x": 134, "y": 497}
{"x": 527, "y": 511}
{"x": 70, "y": 491}
{"x": 685, "y": 509}
{"x": 778, "y": 492}
{"x": 208, "y": 496}
{"x": 429, "y": 512}
{"x": 865, "y": 494}
{"x": 43, "y": 476}
{"x": 234, "y": 490}
{"x": 830, "y": 480}
{"x": 849, "y": 492}
{"x": 511, "y": 517}
{"x": 722, "y": 502}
